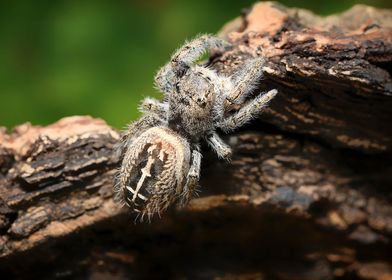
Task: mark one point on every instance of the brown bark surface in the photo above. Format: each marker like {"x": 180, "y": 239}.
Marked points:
{"x": 306, "y": 196}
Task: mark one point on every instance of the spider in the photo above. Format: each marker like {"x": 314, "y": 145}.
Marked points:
{"x": 160, "y": 152}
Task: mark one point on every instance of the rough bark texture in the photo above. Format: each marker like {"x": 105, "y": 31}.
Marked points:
{"x": 306, "y": 196}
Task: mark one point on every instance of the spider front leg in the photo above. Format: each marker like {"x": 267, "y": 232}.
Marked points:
{"x": 165, "y": 79}
{"x": 183, "y": 59}
{"x": 192, "y": 177}
{"x": 245, "y": 80}
{"x": 247, "y": 112}
{"x": 191, "y": 51}
{"x": 220, "y": 147}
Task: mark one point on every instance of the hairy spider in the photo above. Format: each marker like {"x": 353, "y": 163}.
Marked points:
{"x": 160, "y": 152}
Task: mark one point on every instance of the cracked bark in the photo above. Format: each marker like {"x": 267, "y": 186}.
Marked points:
{"x": 306, "y": 196}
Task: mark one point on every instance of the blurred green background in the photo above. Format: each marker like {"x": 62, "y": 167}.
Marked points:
{"x": 60, "y": 58}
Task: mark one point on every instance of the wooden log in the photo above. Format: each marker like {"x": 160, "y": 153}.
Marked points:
{"x": 332, "y": 72}
{"x": 55, "y": 180}
{"x": 306, "y": 196}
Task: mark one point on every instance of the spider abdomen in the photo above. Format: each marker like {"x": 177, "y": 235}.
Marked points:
{"x": 153, "y": 168}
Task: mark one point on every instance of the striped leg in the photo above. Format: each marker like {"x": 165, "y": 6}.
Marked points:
{"x": 248, "y": 112}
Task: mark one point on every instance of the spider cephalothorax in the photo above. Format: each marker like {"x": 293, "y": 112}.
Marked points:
{"x": 160, "y": 152}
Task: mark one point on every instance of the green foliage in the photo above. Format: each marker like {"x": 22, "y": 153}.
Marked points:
{"x": 62, "y": 58}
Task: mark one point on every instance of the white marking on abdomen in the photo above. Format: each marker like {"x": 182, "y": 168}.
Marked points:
{"x": 145, "y": 173}
{"x": 139, "y": 195}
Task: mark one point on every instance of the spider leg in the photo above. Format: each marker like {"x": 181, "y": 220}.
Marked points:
{"x": 245, "y": 80}
{"x": 155, "y": 106}
{"x": 183, "y": 59}
{"x": 247, "y": 112}
{"x": 220, "y": 147}
{"x": 165, "y": 79}
{"x": 191, "y": 51}
{"x": 192, "y": 178}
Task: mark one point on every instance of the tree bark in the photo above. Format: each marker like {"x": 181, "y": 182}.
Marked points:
{"x": 306, "y": 196}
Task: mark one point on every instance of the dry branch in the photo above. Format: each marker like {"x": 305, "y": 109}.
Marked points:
{"x": 306, "y": 195}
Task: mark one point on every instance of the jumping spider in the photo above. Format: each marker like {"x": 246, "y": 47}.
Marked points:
{"x": 160, "y": 152}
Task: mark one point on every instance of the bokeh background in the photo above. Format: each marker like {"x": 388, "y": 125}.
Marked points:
{"x": 60, "y": 58}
